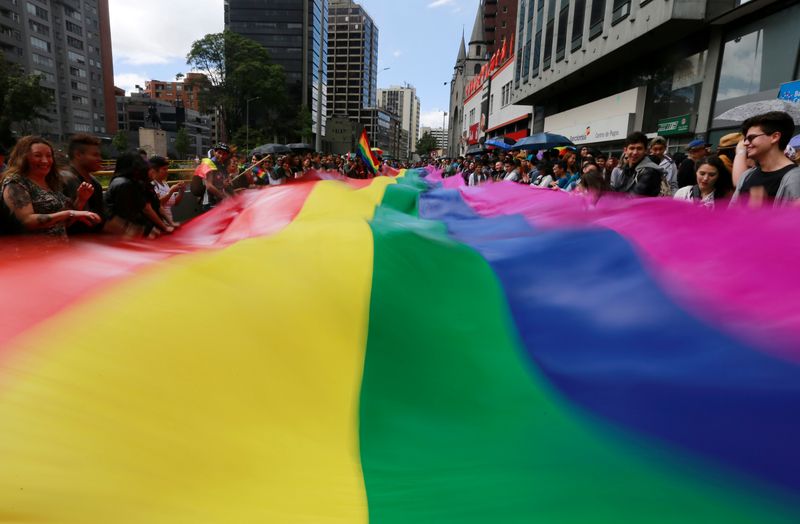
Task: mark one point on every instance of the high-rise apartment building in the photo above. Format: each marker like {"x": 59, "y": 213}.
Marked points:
{"x": 295, "y": 32}
{"x": 499, "y": 23}
{"x": 68, "y": 44}
{"x": 403, "y": 102}
{"x": 352, "y": 61}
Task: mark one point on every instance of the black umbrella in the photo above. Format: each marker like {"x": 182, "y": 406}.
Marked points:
{"x": 542, "y": 141}
{"x": 272, "y": 149}
{"x": 301, "y": 148}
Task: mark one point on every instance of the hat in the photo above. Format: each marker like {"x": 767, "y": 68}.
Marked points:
{"x": 696, "y": 144}
{"x": 730, "y": 140}
{"x": 222, "y": 147}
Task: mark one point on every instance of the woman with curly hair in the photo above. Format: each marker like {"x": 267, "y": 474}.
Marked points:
{"x": 32, "y": 193}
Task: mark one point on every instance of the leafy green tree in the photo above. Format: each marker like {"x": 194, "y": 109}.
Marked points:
{"x": 426, "y": 144}
{"x": 120, "y": 141}
{"x": 237, "y": 69}
{"x": 182, "y": 143}
{"x": 22, "y": 100}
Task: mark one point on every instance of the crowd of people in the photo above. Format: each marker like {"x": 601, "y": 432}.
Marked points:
{"x": 57, "y": 198}
{"x": 39, "y": 196}
{"x": 756, "y": 166}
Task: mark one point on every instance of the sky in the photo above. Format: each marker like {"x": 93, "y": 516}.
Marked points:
{"x": 419, "y": 41}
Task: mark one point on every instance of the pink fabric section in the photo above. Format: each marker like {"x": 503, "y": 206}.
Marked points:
{"x": 733, "y": 268}
{"x": 453, "y": 182}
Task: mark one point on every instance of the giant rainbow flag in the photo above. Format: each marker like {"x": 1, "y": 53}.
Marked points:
{"x": 406, "y": 350}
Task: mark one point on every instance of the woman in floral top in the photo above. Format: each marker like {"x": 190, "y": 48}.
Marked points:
{"x": 33, "y": 201}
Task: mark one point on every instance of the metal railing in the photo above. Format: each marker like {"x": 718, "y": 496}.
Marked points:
{"x": 174, "y": 176}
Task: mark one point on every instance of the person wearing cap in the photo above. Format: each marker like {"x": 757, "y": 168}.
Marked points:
{"x": 658, "y": 153}
{"x": 775, "y": 180}
{"x": 695, "y": 151}
{"x": 215, "y": 180}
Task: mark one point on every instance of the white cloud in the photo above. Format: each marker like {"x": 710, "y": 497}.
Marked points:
{"x": 432, "y": 118}
{"x": 440, "y": 3}
{"x": 129, "y": 81}
{"x": 157, "y": 32}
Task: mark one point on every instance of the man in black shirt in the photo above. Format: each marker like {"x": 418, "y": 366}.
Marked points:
{"x": 80, "y": 186}
{"x": 775, "y": 178}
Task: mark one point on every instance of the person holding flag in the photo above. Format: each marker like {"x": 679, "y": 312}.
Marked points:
{"x": 366, "y": 154}
{"x": 208, "y": 181}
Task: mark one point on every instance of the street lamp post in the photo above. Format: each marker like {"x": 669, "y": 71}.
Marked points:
{"x": 444, "y": 118}
{"x": 247, "y": 124}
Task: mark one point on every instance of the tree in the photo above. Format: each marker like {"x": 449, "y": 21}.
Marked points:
{"x": 179, "y": 77}
{"x": 182, "y": 143}
{"x": 120, "y": 141}
{"x": 237, "y": 69}
{"x": 22, "y": 100}
{"x": 426, "y": 144}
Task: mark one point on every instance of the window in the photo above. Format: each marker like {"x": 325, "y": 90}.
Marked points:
{"x": 596, "y": 18}
{"x": 42, "y": 60}
{"x": 82, "y": 128}
{"x": 577, "y": 24}
{"x": 44, "y": 75}
{"x": 74, "y": 28}
{"x": 80, "y": 86}
{"x": 71, "y": 12}
{"x": 621, "y": 9}
{"x": 537, "y": 49}
{"x": 80, "y": 100}
{"x": 77, "y": 72}
{"x": 38, "y": 43}
{"x": 38, "y": 28}
{"x": 491, "y": 104}
{"x": 758, "y": 58}
{"x": 74, "y": 42}
{"x": 548, "y": 37}
{"x": 75, "y": 57}
{"x": 35, "y": 10}
{"x": 561, "y": 38}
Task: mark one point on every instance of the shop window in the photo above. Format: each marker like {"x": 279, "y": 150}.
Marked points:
{"x": 758, "y": 58}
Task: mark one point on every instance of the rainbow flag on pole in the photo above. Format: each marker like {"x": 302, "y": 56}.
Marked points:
{"x": 393, "y": 351}
{"x": 365, "y": 153}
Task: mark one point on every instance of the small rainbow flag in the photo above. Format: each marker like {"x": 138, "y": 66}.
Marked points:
{"x": 366, "y": 154}
{"x": 467, "y": 355}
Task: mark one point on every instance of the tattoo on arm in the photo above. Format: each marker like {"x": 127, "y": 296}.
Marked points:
{"x": 43, "y": 220}
{"x": 17, "y": 197}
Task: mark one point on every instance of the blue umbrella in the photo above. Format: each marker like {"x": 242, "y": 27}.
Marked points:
{"x": 501, "y": 142}
{"x": 541, "y": 141}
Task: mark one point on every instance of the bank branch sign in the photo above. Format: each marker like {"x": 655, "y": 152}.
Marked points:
{"x": 676, "y": 125}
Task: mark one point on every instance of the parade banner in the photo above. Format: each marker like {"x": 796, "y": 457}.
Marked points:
{"x": 403, "y": 350}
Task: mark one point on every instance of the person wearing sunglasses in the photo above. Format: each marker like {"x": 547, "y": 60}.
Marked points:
{"x": 775, "y": 180}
